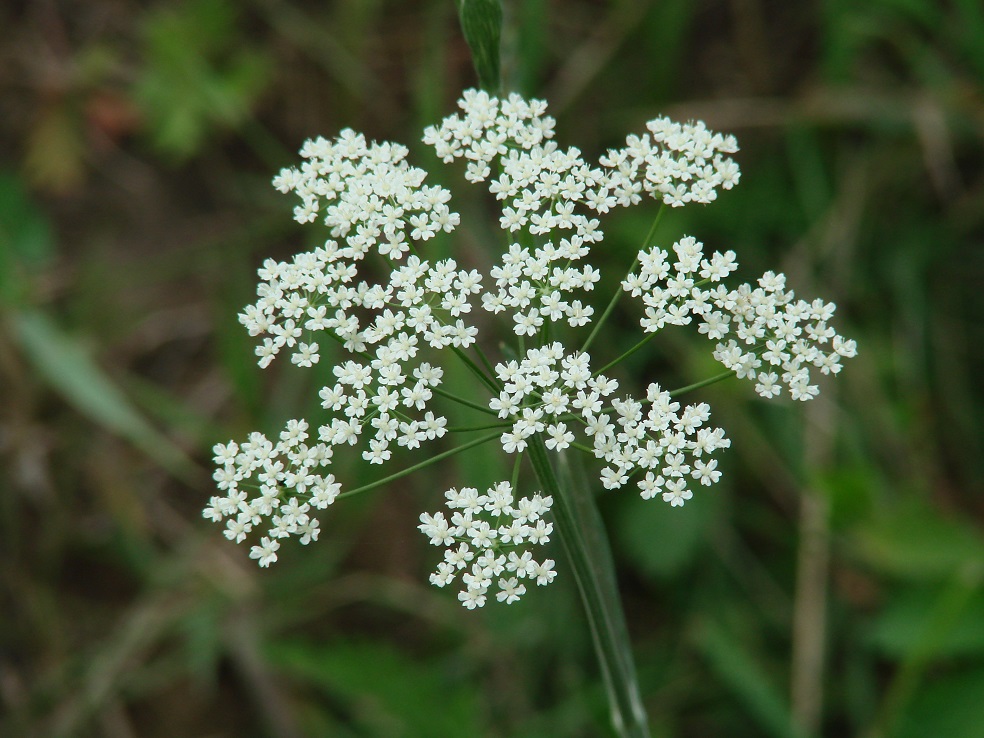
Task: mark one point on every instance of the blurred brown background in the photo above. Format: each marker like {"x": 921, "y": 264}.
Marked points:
{"x": 833, "y": 587}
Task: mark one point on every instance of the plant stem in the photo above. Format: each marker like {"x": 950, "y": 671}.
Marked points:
{"x": 583, "y": 535}
{"x": 809, "y": 626}
{"x": 476, "y": 370}
{"x": 500, "y": 426}
{"x": 703, "y": 383}
{"x": 626, "y": 355}
{"x": 485, "y": 360}
{"x": 417, "y": 467}
{"x": 618, "y": 292}
{"x": 462, "y": 401}
{"x": 517, "y": 466}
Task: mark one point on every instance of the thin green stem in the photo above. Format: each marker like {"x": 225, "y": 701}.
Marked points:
{"x": 514, "y": 479}
{"x": 476, "y": 370}
{"x": 618, "y": 292}
{"x": 485, "y": 360}
{"x": 341, "y": 341}
{"x": 462, "y": 401}
{"x": 583, "y": 535}
{"x": 422, "y": 465}
{"x": 473, "y": 428}
{"x": 704, "y": 383}
{"x": 626, "y": 355}
{"x": 604, "y": 316}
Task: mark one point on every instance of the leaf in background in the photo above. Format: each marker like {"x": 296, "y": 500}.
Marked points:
{"x": 661, "y": 540}
{"x": 168, "y": 410}
{"x": 850, "y": 490}
{"x": 387, "y": 692}
{"x": 527, "y": 24}
{"x": 923, "y": 647}
{"x": 950, "y": 707}
{"x": 915, "y": 541}
{"x": 968, "y": 29}
{"x": 903, "y": 622}
{"x": 481, "y": 22}
{"x": 199, "y": 74}
{"x": 71, "y": 371}
{"x": 738, "y": 671}
{"x": 26, "y": 244}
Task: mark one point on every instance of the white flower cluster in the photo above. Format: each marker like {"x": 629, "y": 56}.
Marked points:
{"x": 682, "y": 163}
{"x": 315, "y": 293}
{"x": 489, "y": 128}
{"x": 382, "y": 400}
{"x": 375, "y": 204}
{"x": 383, "y": 388}
{"x": 486, "y": 541}
{"x": 318, "y": 292}
{"x": 371, "y": 195}
{"x": 541, "y": 187}
{"x": 534, "y": 290}
{"x": 777, "y": 339}
{"x": 286, "y": 484}
{"x": 540, "y": 183}
{"x": 538, "y": 395}
{"x": 665, "y": 447}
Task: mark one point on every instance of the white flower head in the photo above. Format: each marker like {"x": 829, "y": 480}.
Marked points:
{"x": 486, "y": 541}
{"x": 374, "y": 312}
{"x": 672, "y": 162}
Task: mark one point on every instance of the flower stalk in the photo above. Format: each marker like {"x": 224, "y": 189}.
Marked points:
{"x": 398, "y": 330}
{"x": 585, "y": 541}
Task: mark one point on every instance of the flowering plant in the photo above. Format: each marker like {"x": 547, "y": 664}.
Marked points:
{"x": 546, "y": 394}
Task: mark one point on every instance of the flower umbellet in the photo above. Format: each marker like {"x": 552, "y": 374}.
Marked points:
{"x": 396, "y": 334}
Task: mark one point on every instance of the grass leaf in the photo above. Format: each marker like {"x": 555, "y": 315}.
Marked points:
{"x": 738, "y": 671}
{"x": 69, "y": 368}
{"x": 481, "y": 22}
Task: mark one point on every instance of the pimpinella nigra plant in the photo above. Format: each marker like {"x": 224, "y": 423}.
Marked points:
{"x": 546, "y": 394}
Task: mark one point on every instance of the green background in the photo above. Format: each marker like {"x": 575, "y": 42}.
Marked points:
{"x": 833, "y": 582}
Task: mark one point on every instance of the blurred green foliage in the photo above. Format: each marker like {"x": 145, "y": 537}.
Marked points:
{"x": 201, "y": 73}
{"x": 138, "y": 143}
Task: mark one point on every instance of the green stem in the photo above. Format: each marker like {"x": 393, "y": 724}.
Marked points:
{"x": 485, "y": 360}
{"x": 422, "y": 465}
{"x": 618, "y": 290}
{"x": 704, "y": 383}
{"x": 490, "y": 383}
{"x": 517, "y": 466}
{"x": 462, "y": 401}
{"x": 583, "y": 535}
{"x": 626, "y": 355}
{"x": 500, "y": 426}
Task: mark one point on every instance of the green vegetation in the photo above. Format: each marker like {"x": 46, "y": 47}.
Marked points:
{"x": 831, "y": 585}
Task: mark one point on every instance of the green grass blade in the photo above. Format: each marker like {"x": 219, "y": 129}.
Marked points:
{"x": 738, "y": 671}
{"x": 481, "y": 22}
{"x": 69, "y": 368}
{"x": 583, "y": 536}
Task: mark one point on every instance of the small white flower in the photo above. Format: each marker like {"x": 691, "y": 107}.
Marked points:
{"x": 266, "y": 552}
{"x": 559, "y": 438}
{"x": 510, "y": 590}
{"x": 676, "y": 492}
